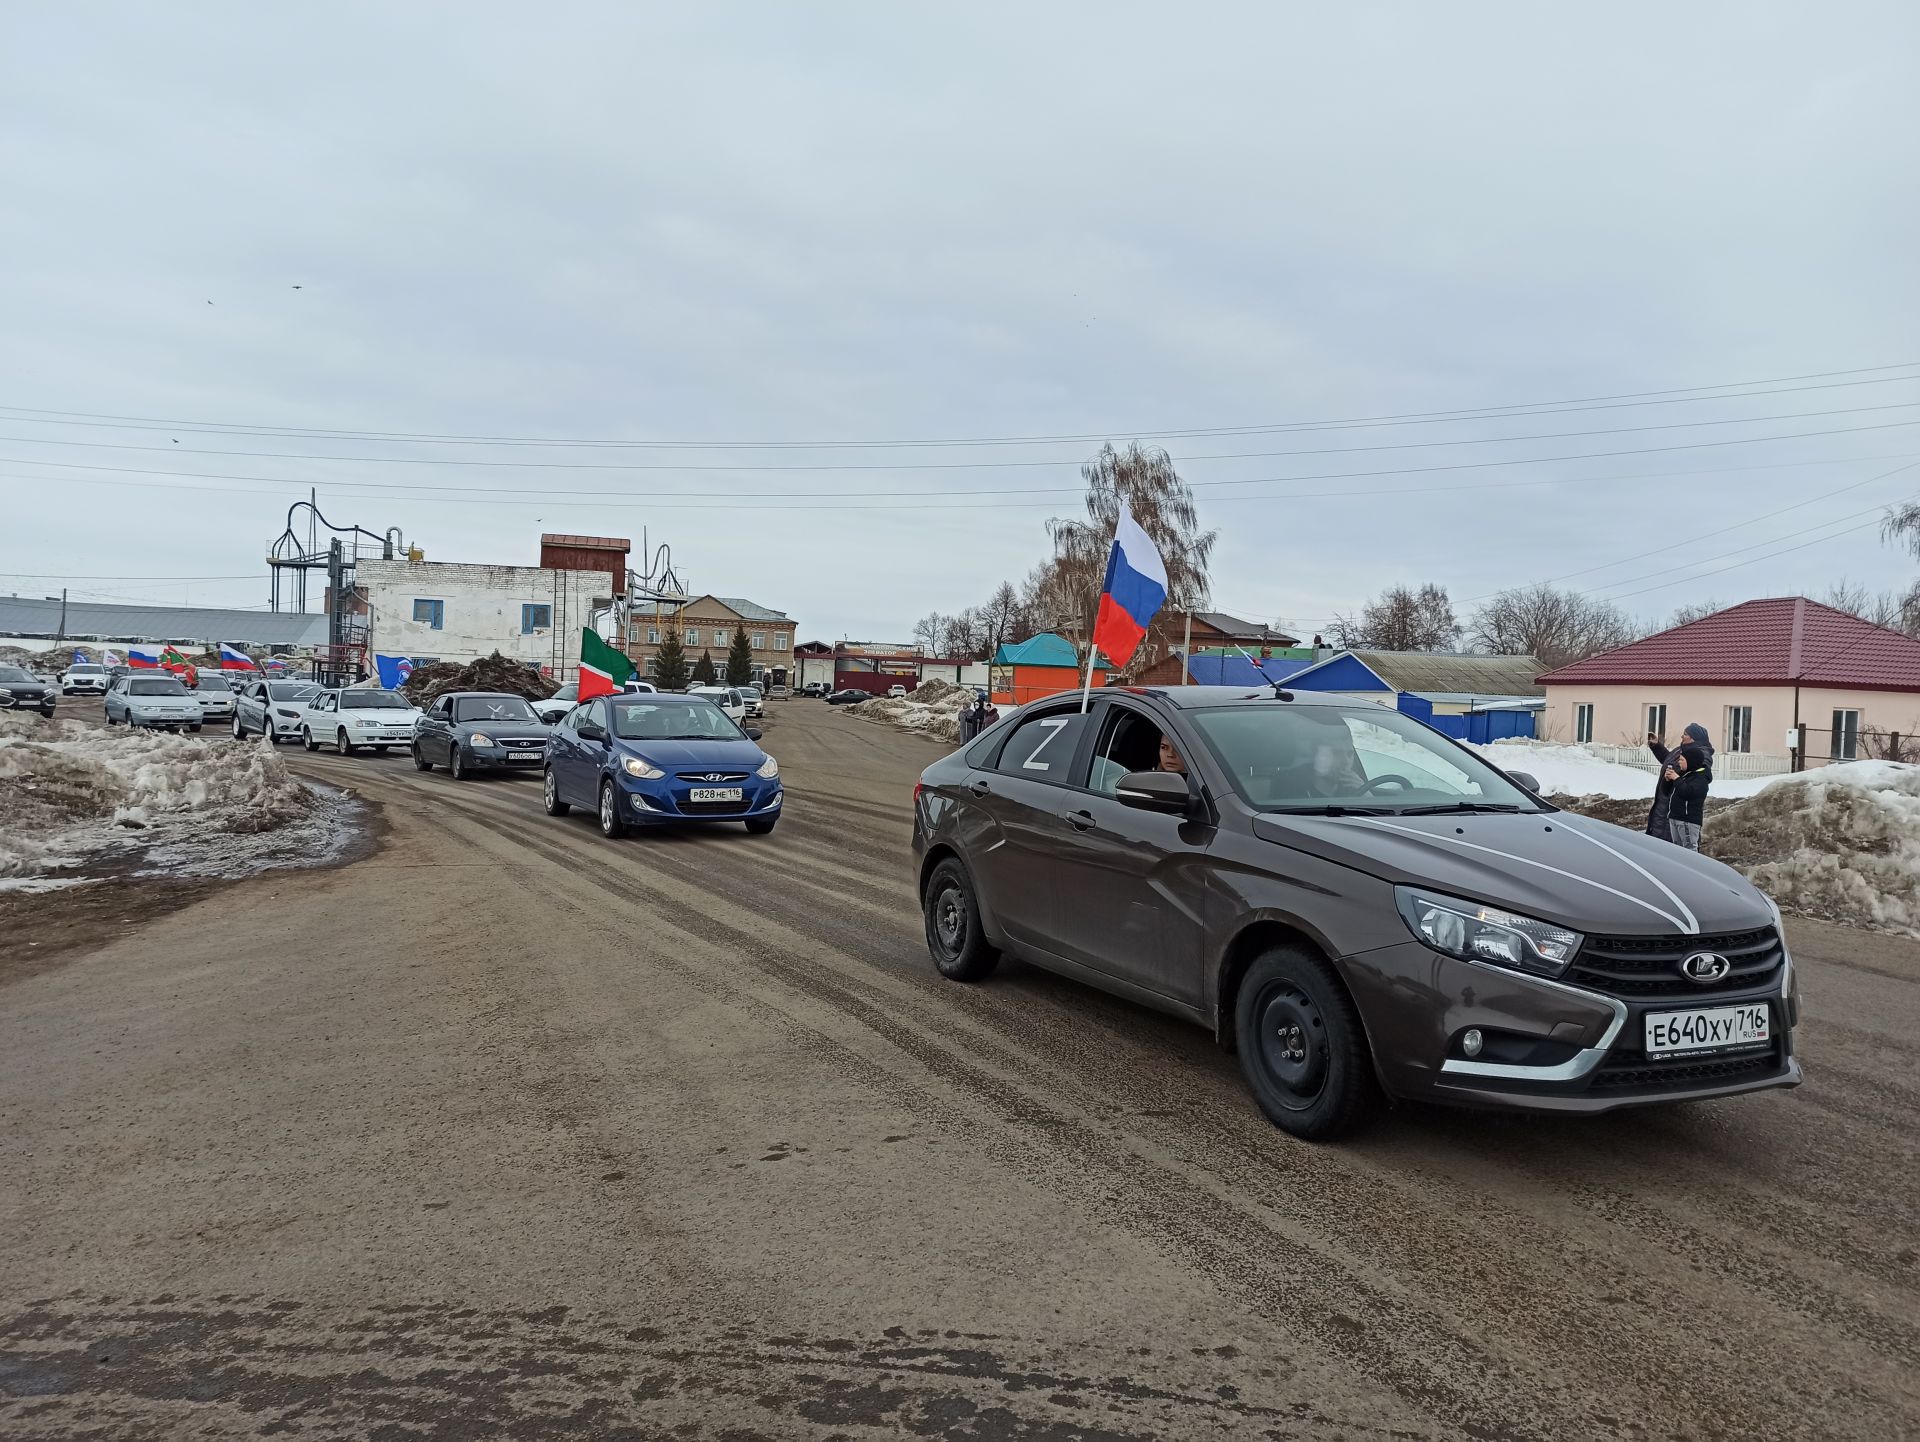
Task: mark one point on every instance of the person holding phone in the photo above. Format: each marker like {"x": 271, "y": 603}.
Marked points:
{"x": 1680, "y": 796}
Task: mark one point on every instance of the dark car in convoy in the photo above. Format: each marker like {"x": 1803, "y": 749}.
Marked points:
{"x": 660, "y": 760}
{"x": 848, "y": 697}
{"x": 473, "y": 731}
{"x": 21, "y": 690}
{"x": 1355, "y": 903}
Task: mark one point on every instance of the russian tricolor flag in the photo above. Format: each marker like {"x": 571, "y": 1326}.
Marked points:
{"x": 232, "y": 658}
{"x": 1134, "y": 592}
{"x": 143, "y": 658}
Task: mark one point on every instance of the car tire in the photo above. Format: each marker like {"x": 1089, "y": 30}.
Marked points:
{"x": 761, "y": 825}
{"x": 612, "y": 824}
{"x": 341, "y": 745}
{"x": 550, "y": 795}
{"x": 457, "y": 768}
{"x": 1302, "y": 1048}
{"x": 190, "y": 728}
{"x": 956, "y": 939}
{"x": 239, "y": 731}
{"x": 420, "y": 763}
{"x": 307, "y": 743}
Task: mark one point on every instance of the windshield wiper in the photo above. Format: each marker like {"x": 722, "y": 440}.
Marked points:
{"x": 1451, "y": 807}
{"x": 1332, "y": 809}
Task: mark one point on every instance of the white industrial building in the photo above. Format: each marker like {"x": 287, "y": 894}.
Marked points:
{"x": 451, "y": 611}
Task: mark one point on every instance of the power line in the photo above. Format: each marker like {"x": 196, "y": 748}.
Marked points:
{"x": 1624, "y": 398}
{"x": 471, "y": 493}
{"x": 1752, "y": 561}
{"x": 62, "y": 576}
{"x": 1720, "y": 531}
{"x": 957, "y": 465}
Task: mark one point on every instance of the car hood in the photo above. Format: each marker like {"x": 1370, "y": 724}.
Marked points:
{"x": 503, "y": 728}
{"x": 1584, "y": 874}
{"x": 740, "y": 755}
{"x": 386, "y": 715}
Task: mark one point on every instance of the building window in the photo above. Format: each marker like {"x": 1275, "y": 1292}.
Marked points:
{"x": 759, "y": 640}
{"x": 653, "y": 635}
{"x": 722, "y": 638}
{"x": 1739, "y": 728}
{"x": 1583, "y": 723}
{"x": 1846, "y": 736}
{"x": 693, "y": 635}
{"x": 1657, "y": 720}
{"x": 430, "y": 613}
{"x": 535, "y": 618}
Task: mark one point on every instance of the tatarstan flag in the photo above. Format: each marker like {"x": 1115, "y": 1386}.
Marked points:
{"x": 603, "y": 670}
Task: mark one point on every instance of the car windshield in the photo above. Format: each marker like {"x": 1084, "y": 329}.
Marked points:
{"x": 82, "y": 668}
{"x": 492, "y": 708}
{"x": 371, "y": 701}
{"x": 1323, "y": 758}
{"x": 290, "y": 690}
{"x": 14, "y": 673}
{"x": 156, "y": 686}
{"x": 672, "y": 718}
{"x": 212, "y": 681}
{"x": 567, "y": 693}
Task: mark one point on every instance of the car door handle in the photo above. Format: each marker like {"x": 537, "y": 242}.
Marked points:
{"x": 980, "y": 788}
{"x": 1080, "y": 820}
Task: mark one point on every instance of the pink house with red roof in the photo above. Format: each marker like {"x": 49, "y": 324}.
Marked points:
{"x": 1750, "y": 674}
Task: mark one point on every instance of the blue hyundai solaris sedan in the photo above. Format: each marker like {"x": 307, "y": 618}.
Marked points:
{"x": 658, "y": 760}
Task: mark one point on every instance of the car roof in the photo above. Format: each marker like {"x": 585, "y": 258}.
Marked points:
{"x": 1193, "y": 698}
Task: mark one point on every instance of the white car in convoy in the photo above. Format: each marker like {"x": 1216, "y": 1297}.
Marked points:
{"x": 355, "y": 716}
{"x": 727, "y": 698}
{"x": 153, "y": 699}
{"x": 84, "y": 678}
{"x": 271, "y": 709}
{"x": 755, "y": 699}
{"x": 897, "y": 691}
{"x": 214, "y": 692}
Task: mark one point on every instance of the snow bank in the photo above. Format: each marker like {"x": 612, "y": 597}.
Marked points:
{"x": 1569, "y": 770}
{"x": 1839, "y": 842}
{"x": 933, "y": 709}
{"x": 69, "y": 790}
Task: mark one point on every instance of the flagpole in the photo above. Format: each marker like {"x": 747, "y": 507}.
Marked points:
{"x": 1086, "y": 689}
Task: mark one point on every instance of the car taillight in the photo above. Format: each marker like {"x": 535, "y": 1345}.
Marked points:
{"x": 918, "y": 787}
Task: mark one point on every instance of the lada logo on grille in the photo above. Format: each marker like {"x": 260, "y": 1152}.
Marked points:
{"x": 1705, "y": 967}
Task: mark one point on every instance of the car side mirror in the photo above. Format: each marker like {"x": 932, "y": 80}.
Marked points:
{"x": 754, "y": 733}
{"x": 591, "y": 731}
{"x": 1166, "y": 791}
{"x": 1526, "y": 780}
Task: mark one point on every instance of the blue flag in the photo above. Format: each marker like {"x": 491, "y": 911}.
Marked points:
{"x": 393, "y": 670}
{"x": 81, "y": 658}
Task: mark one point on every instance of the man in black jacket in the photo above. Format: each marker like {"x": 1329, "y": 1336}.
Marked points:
{"x": 1680, "y": 798}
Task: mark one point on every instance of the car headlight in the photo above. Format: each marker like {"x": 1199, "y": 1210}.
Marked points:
{"x": 768, "y": 769}
{"x": 480, "y": 738}
{"x": 642, "y": 768}
{"x": 1475, "y": 932}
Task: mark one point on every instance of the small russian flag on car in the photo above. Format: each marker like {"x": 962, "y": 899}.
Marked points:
{"x": 232, "y": 658}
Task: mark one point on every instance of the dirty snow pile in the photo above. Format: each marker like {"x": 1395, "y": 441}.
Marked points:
{"x": 489, "y": 673}
{"x": 71, "y": 793}
{"x": 932, "y": 708}
{"x": 1840, "y": 842}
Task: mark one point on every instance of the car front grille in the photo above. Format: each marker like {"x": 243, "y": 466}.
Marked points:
{"x": 1649, "y": 966}
{"x": 715, "y": 808}
{"x": 713, "y": 778}
{"x": 1627, "y": 1069}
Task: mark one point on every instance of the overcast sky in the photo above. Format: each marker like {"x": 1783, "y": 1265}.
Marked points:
{"x": 875, "y": 222}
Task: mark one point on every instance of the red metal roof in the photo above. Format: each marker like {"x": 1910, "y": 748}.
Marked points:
{"x": 1772, "y": 642}
{"x": 586, "y": 543}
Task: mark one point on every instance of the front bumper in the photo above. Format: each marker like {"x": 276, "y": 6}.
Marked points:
{"x": 496, "y": 758}
{"x": 154, "y": 721}
{"x": 666, "y": 801}
{"x": 83, "y": 688}
{"x": 1551, "y": 1047}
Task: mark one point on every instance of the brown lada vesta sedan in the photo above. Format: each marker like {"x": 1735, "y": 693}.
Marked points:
{"x": 1354, "y": 902}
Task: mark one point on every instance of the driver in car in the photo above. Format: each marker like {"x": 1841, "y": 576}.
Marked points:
{"x": 1170, "y": 757}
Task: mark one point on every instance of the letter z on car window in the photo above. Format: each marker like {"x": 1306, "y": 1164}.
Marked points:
{"x": 1042, "y": 748}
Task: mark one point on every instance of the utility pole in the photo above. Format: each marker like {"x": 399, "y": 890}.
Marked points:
{"x": 1186, "y": 652}
{"x": 63, "y": 615}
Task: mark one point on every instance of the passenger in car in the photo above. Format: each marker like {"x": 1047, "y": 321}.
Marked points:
{"x": 1170, "y": 757}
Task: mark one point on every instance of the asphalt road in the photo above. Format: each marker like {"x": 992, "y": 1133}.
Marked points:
{"x": 512, "y": 1131}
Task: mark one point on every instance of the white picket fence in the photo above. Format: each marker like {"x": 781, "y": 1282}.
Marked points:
{"x": 1727, "y": 765}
